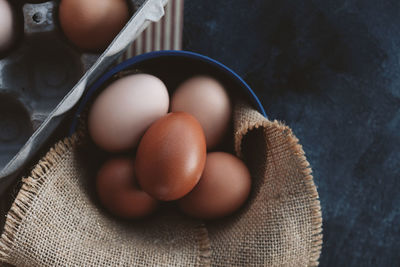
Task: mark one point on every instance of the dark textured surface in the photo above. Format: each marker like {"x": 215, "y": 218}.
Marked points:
{"x": 331, "y": 70}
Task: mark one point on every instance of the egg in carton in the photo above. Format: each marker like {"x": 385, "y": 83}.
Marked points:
{"x": 43, "y": 75}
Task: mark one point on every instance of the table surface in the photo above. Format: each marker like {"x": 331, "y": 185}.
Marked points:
{"x": 331, "y": 70}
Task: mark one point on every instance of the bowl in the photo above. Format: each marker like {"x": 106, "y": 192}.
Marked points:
{"x": 173, "y": 67}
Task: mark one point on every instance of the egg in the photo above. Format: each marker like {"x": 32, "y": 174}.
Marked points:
{"x": 125, "y": 109}
{"x": 7, "y": 26}
{"x": 171, "y": 156}
{"x": 223, "y": 188}
{"x": 92, "y": 24}
{"x": 206, "y": 99}
{"x": 119, "y": 193}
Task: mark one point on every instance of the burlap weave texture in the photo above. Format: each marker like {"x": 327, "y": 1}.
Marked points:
{"x": 54, "y": 222}
{"x": 281, "y": 224}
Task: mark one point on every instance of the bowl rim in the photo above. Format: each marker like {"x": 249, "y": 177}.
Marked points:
{"x": 157, "y": 54}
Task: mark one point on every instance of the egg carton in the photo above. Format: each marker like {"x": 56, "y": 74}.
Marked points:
{"x": 45, "y": 76}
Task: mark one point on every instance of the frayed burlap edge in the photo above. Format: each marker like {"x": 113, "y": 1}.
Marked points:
{"x": 244, "y": 129}
{"x": 28, "y": 192}
{"x": 31, "y": 187}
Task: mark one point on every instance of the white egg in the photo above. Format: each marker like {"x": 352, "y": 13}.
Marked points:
{"x": 206, "y": 99}
{"x": 7, "y": 25}
{"x": 125, "y": 109}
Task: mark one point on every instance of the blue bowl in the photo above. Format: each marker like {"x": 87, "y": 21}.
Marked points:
{"x": 183, "y": 64}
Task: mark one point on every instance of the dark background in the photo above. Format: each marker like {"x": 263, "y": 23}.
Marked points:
{"x": 330, "y": 69}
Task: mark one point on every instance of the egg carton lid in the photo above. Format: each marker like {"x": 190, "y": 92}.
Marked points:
{"x": 149, "y": 11}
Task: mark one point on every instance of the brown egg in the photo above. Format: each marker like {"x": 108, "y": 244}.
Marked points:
{"x": 223, "y": 188}
{"x": 92, "y": 24}
{"x": 119, "y": 193}
{"x": 171, "y": 156}
{"x": 206, "y": 99}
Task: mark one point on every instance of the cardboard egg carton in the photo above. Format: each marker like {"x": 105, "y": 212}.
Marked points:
{"x": 45, "y": 76}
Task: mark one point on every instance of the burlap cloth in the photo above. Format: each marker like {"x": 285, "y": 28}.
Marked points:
{"x": 55, "y": 222}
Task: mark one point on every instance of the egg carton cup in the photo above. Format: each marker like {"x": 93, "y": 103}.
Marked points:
{"x": 43, "y": 78}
